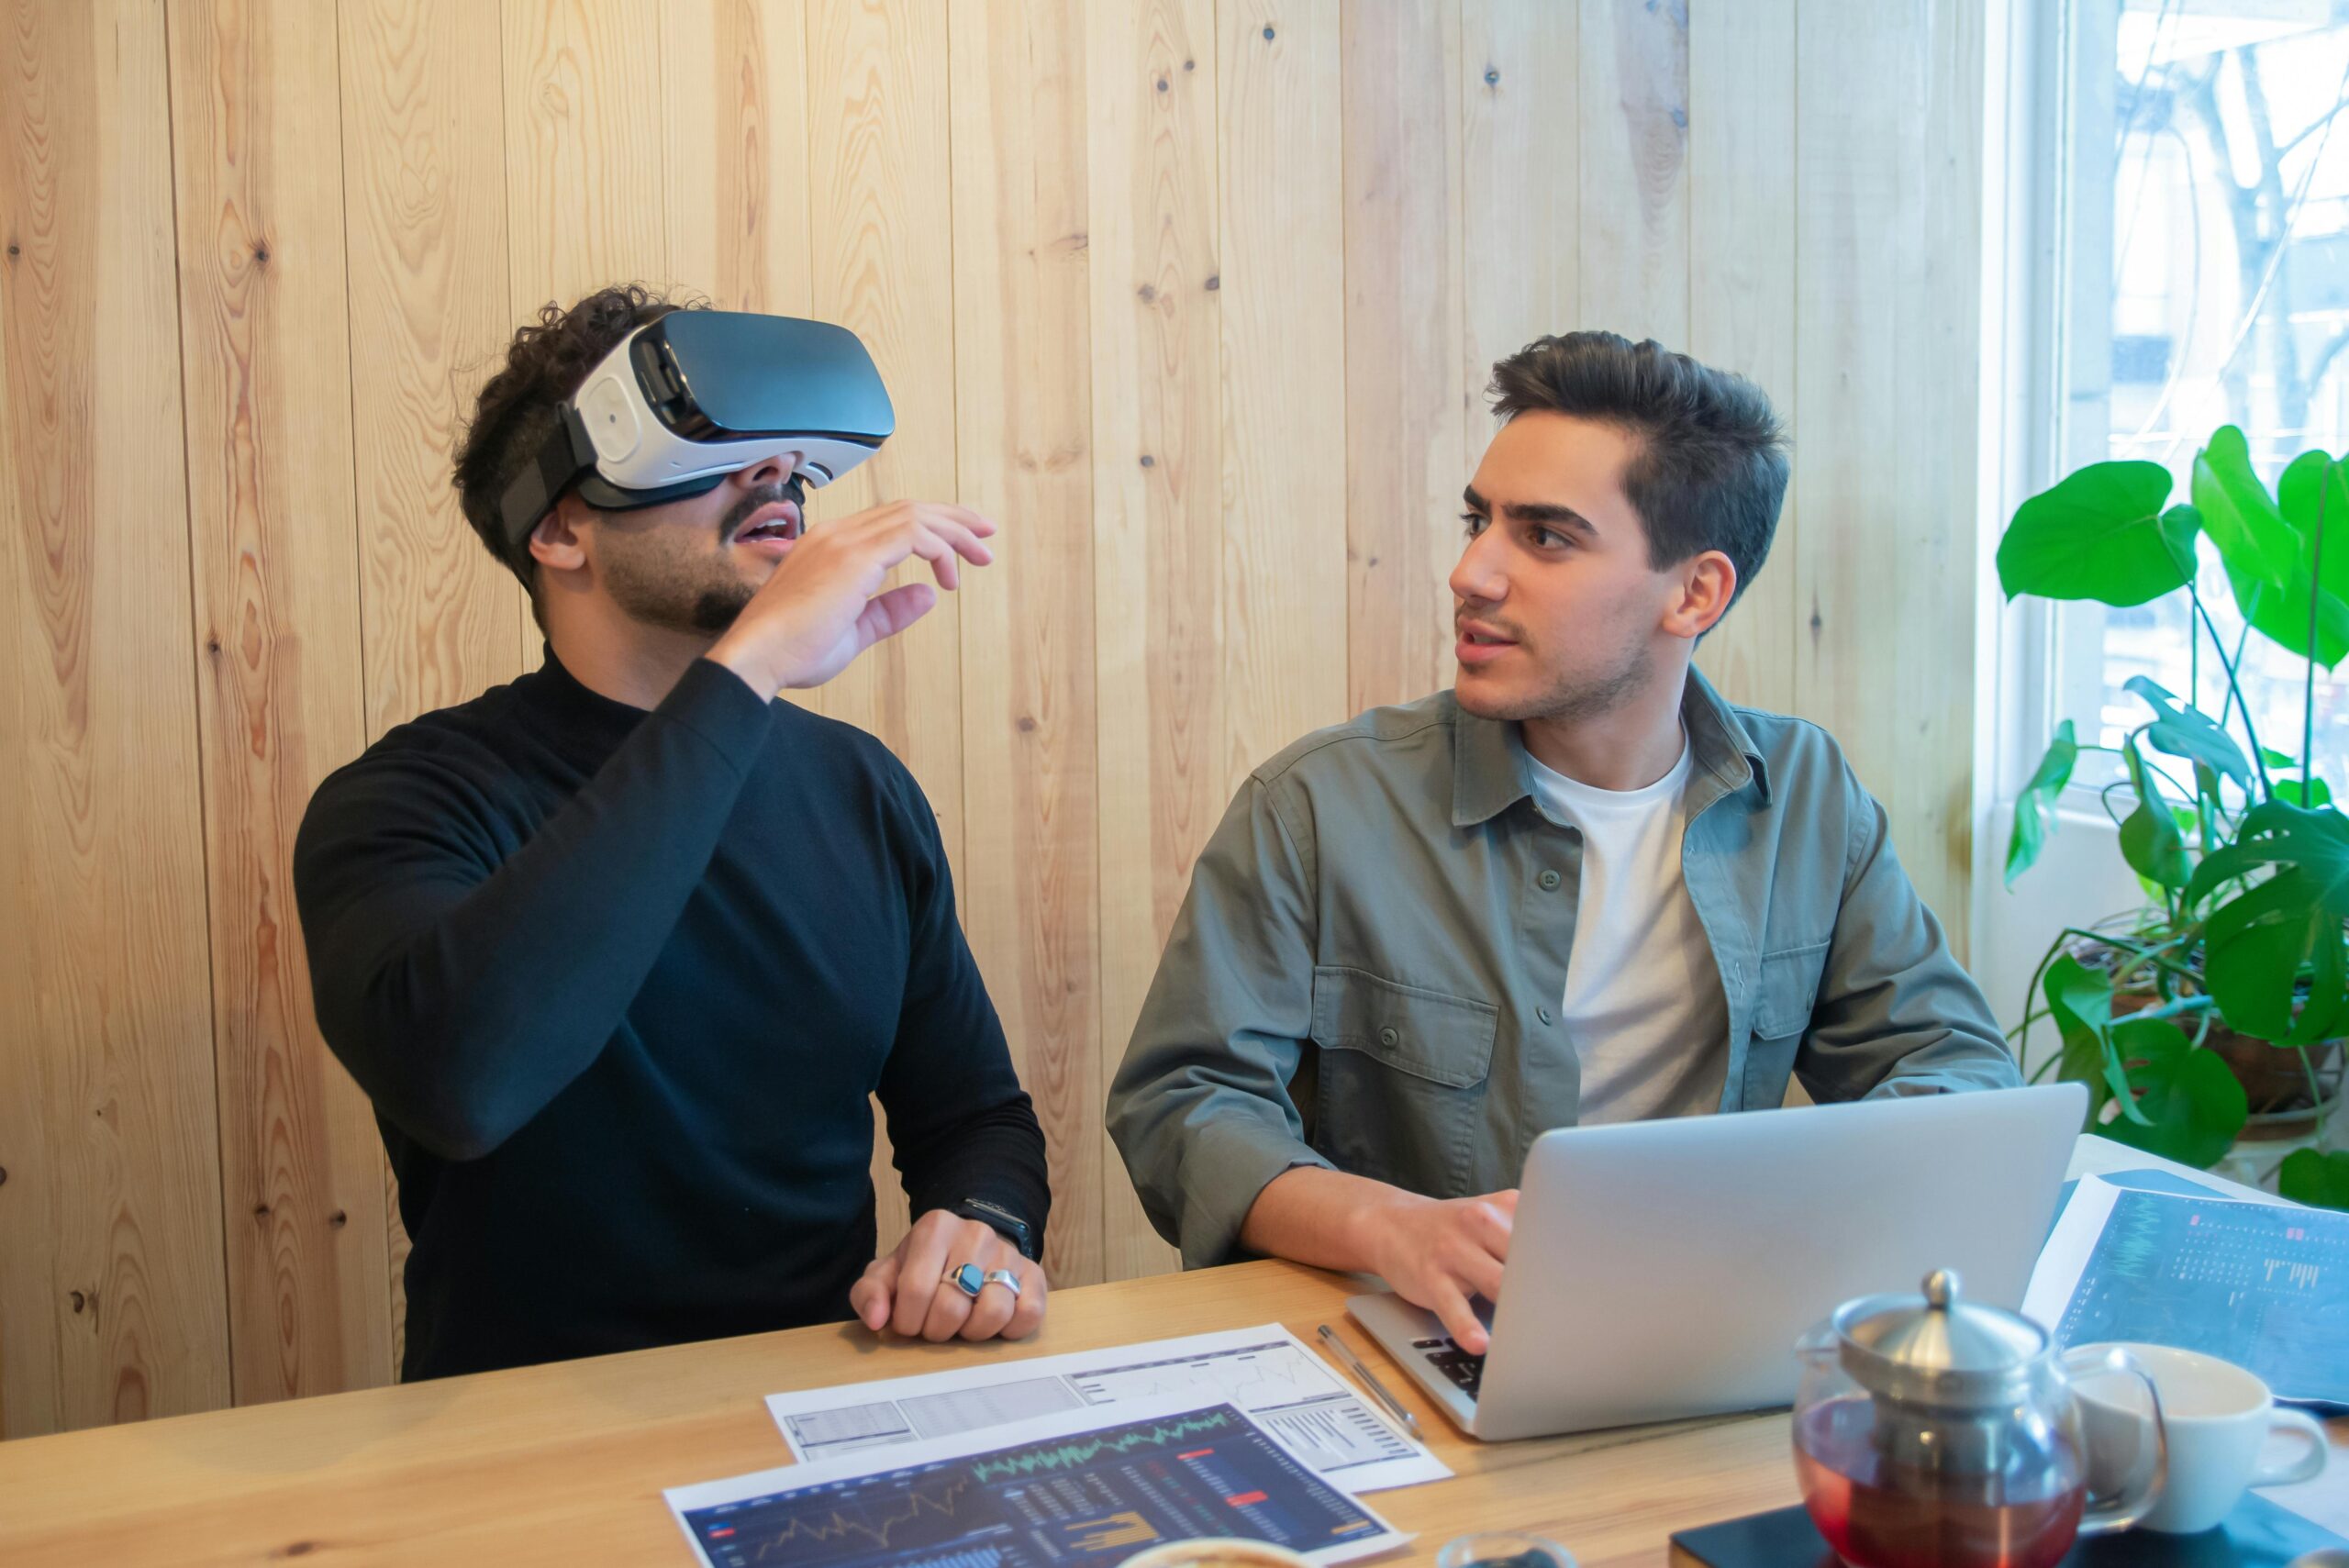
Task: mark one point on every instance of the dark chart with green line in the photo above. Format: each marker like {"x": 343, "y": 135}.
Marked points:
{"x": 2263, "y": 1286}
{"x": 1096, "y": 1498}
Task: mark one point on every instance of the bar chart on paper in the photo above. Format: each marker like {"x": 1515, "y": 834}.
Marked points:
{"x": 1095, "y": 1497}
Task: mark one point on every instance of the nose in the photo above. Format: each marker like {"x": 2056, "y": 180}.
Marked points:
{"x": 768, "y": 471}
{"x": 1482, "y": 575}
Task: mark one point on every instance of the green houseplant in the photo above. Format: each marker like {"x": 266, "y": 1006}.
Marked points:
{"x": 2236, "y": 965}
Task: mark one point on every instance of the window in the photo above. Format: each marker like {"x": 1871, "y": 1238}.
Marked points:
{"x": 2197, "y": 276}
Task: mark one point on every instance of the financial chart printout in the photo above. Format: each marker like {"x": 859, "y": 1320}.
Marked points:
{"x": 1267, "y": 1372}
{"x": 1088, "y": 1497}
{"x": 2263, "y": 1286}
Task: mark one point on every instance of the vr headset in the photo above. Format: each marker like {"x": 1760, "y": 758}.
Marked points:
{"x": 698, "y": 394}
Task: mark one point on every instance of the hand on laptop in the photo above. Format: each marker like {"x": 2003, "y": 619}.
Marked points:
{"x": 1437, "y": 1253}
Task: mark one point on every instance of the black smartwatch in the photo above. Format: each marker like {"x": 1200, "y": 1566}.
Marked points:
{"x": 1014, "y": 1229}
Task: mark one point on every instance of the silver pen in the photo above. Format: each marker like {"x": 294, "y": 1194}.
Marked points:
{"x": 1370, "y": 1378}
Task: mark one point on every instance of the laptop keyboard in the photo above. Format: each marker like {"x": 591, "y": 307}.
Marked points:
{"x": 1466, "y": 1372}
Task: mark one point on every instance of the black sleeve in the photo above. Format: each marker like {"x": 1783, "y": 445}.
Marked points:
{"x": 959, "y": 1125}
{"x": 464, "y": 991}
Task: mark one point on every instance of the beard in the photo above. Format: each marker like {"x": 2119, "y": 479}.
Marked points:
{"x": 1573, "y": 696}
{"x": 660, "y": 576}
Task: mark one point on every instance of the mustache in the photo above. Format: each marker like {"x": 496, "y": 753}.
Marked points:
{"x": 1460, "y": 619}
{"x": 792, "y": 490}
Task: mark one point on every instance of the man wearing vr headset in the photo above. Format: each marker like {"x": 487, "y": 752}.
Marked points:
{"x": 620, "y": 950}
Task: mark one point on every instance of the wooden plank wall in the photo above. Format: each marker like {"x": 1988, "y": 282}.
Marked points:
{"x": 1197, "y": 297}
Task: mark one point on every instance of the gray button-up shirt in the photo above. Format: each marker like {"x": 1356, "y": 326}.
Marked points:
{"x": 1367, "y": 973}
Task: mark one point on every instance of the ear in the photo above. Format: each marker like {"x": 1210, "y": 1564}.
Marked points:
{"x": 556, "y": 543}
{"x": 1708, "y": 583}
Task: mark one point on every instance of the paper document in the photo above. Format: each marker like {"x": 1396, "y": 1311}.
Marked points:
{"x": 2263, "y": 1285}
{"x": 1267, "y": 1372}
{"x": 1082, "y": 1489}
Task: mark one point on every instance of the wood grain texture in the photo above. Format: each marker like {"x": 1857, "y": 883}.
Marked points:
{"x": 880, "y": 206}
{"x": 1283, "y": 281}
{"x": 1407, "y": 387}
{"x": 424, "y": 200}
{"x": 565, "y": 1463}
{"x": 1741, "y": 290}
{"x": 1634, "y": 147}
{"x": 734, "y": 152}
{"x": 1024, "y": 445}
{"x": 112, "y": 1283}
{"x": 1890, "y": 107}
{"x": 1157, "y": 513}
{"x": 1189, "y": 292}
{"x": 424, "y": 209}
{"x": 585, "y": 198}
{"x": 1521, "y": 186}
{"x": 264, "y": 318}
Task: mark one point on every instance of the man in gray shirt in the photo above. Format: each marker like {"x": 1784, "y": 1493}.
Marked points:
{"x": 1578, "y": 887}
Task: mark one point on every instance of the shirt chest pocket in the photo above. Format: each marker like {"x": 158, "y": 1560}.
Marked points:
{"x": 1401, "y": 1079}
{"x": 1785, "y": 991}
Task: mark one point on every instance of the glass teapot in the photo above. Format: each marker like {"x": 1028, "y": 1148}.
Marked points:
{"x": 1934, "y": 1432}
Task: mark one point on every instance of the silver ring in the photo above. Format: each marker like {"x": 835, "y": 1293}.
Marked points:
{"x": 1005, "y": 1278}
{"x": 968, "y": 1278}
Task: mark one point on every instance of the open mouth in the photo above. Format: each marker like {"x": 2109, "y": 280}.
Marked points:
{"x": 776, "y": 522}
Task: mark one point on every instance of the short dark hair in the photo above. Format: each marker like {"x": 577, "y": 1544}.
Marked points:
{"x": 522, "y": 404}
{"x": 1711, "y": 472}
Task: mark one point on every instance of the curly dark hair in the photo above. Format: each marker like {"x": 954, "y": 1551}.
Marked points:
{"x": 522, "y": 404}
{"x": 1710, "y": 472}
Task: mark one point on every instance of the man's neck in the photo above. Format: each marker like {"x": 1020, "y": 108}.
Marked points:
{"x": 622, "y": 659}
{"x": 1629, "y": 746}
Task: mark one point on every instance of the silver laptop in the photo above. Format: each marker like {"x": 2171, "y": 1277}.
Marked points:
{"x": 1663, "y": 1269}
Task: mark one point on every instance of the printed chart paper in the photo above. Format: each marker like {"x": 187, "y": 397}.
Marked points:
{"x": 2263, "y": 1285}
{"x": 1266, "y": 1371}
{"x": 1083, "y": 1489}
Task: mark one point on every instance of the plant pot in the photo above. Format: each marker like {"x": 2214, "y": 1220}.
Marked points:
{"x": 2275, "y": 1084}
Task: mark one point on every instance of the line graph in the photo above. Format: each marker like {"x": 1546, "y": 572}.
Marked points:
{"x": 880, "y": 1529}
{"x": 1067, "y": 1456}
{"x": 1078, "y": 1500}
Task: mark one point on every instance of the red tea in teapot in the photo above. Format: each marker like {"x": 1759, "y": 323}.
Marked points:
{"x": 1877, "y": 1512}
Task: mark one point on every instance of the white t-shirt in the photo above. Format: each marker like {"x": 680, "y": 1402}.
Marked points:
{"x": 1643, "y": 1006}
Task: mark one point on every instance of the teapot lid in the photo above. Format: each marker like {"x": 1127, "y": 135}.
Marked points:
{"x": 1936, "y": 1348}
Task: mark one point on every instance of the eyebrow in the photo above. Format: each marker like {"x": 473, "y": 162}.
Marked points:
{"x": 1541, "y": 512}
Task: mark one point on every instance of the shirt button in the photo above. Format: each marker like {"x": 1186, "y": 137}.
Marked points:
{"x": 1387, "y": 1036}
{"x": 1549, "y": 881}
{"x": 1541, "y": 1012}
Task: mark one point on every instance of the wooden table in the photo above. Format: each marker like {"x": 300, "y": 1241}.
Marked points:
{"x": 565, "y": 1463}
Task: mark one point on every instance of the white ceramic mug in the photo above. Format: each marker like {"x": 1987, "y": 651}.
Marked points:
{"x": 2220, "y": 1418}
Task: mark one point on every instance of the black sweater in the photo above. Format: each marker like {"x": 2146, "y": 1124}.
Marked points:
{"x": 618, "y": 983}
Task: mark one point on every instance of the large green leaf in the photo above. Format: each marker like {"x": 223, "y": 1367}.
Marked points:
{"x": 2316, "y": 485}
{"x": 2276, "y": 832}
{"x": 2079, "y": 1000}
{"x": 2192, "y": 1105}
{"x": 2190, "y": 733}
{"x": 2035, "y": 808}
{"x": 2150, "y": 840}
{"x": 2263, "y": 948}
{"x": 2099, "y": 533}
{"x": 2274, "y": 955}
{"x": 2266, "y": 557}
{"x": 2315, "y": 1177}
